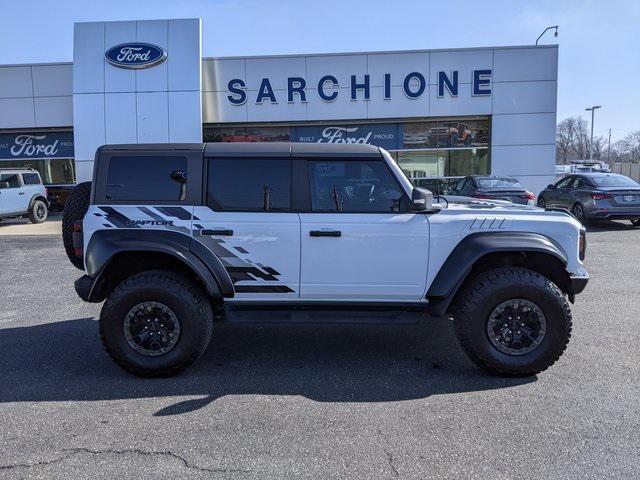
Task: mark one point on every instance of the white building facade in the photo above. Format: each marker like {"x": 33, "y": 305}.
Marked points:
{"x": 442, "y": 113}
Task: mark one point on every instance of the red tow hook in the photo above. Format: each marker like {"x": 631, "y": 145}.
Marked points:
{"x": 77, "y": 238}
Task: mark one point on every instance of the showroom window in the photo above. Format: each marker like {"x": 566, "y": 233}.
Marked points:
{"x": 247, "y": 134}
{"x": 435, "y": 154}
{"x": 51, "y": 153}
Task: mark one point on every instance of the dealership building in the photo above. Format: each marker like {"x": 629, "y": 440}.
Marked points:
{"x": 441, "y": 113}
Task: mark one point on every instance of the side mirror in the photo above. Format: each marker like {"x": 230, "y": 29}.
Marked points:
{"x": 4, "y": 185}
{"x": 421, "y": 200}
{"x": 179, "y": 176}
{"x": 551, "y": 186}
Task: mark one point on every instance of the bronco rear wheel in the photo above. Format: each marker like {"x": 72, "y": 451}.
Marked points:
{"x": 512, "y": 321}
{"x": 156, "y": 323}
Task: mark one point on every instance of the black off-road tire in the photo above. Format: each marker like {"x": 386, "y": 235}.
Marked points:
{"x": 75, "y": 209}
{"x": 184, "y": 297}
{"x": 475, "y": 304}
{"x": 38, "y": 212}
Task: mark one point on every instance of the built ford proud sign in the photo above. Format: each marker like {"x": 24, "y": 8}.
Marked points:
{"x": 135, "y": 55}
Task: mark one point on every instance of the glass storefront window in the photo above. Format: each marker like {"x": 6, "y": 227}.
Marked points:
{"x": 53, "y": 171}
{"x": 247, "y": 134}
{"x": 425, "y": 150}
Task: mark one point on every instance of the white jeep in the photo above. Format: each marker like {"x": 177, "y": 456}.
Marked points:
{"x": 23, "y": 194}
{"x": 173, "y": 236}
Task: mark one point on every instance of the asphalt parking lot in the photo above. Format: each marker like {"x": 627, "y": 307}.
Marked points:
{"x": 329, "y": 401}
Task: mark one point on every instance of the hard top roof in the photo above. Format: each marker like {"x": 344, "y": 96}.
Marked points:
{"x": 267, "y": 149}
{"x": 298, "y": 149}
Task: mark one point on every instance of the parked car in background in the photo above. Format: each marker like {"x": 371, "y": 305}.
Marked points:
{"x": 437, "y": 185}
{"x": 23, "y": 194}
{"x": 595, "y": 196}
{"x": 494, "y": 188}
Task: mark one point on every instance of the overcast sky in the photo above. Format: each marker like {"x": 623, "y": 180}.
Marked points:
{"x": 599, "y": 40}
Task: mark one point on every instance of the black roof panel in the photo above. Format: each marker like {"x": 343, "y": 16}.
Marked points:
{"x": 236, "y": 149}
{"x": 267, "y": 149}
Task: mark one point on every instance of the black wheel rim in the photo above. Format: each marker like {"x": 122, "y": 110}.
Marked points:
{"x": 40, "y": 211}
{"x": 151, "y": 329}
{"x": 516, "y": 327}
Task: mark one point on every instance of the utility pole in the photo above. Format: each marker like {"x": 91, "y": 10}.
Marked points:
{"x": 609, "y": 149}
{"x": 592, "y": 110}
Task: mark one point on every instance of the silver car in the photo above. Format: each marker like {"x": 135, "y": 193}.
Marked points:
{"x": 595, "y": 196}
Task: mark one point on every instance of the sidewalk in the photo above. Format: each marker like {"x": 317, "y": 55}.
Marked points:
{"x": 22, "y": 226}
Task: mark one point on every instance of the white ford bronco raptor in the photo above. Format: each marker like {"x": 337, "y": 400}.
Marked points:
{"x": 172, "y": 236}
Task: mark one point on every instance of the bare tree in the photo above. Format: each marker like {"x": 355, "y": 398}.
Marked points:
{"x": 599, "y": 148}
{"x": 629, "y": 147}
{"x": 572, "y": 140}
{"x": 564, "y": 140}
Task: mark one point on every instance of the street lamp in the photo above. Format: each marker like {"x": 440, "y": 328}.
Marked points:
{"x": 555, "y": 34}
{"x": 592, "y": 110}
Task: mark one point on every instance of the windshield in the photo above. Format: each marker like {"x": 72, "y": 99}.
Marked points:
{"x": 614, "y": 181}
{"x": 498, "y": 182}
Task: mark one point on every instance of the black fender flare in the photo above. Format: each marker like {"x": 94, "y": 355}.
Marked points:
{"x": 458, "y": 264}
{"x": 36, "y": 197}
{"x": 105, "y": 244}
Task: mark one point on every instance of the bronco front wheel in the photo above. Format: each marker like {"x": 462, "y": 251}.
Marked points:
{"x": 513, "y": 321}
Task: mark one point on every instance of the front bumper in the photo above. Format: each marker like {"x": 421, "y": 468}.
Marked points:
{"x": 577, "y": 283}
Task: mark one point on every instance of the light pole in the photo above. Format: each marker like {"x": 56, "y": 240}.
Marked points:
{"x": 592, "y": 110}
{"x": 555, "y": 34}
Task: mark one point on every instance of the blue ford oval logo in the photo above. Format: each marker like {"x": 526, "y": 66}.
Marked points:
{"x": 135, "y": 55}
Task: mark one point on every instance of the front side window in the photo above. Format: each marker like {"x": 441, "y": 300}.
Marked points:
{"x": 578, "y": 183}
{"x": 11, "y": 179}
{"x": 353, "y": 187}
{"x": 147, "y": 178}
{"x": 30, "y": 178}
{"x": 249, "y": 184}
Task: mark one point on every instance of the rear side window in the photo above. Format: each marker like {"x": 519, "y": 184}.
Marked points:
{"x": 249, "y": 184}
{"x": 614, "y": 181}
{"x": 147, "y": 178}
{"x": 11, "y": 179}
{"x": 501, "y": 182}
{"x": 31, "y": 178}
{"x": 353, "y": 186}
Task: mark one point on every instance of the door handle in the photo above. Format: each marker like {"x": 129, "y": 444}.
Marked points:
{"x": 325, "y": 233}
{"x": 20, "y": 193}
{"x": 219, "y": 232}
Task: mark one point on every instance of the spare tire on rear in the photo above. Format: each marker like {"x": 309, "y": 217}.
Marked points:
{"x": 75, "y": 209}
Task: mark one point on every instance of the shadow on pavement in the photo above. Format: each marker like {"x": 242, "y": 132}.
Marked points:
{"x": 64, "y": 361}
{"x": 605, "y": 226}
